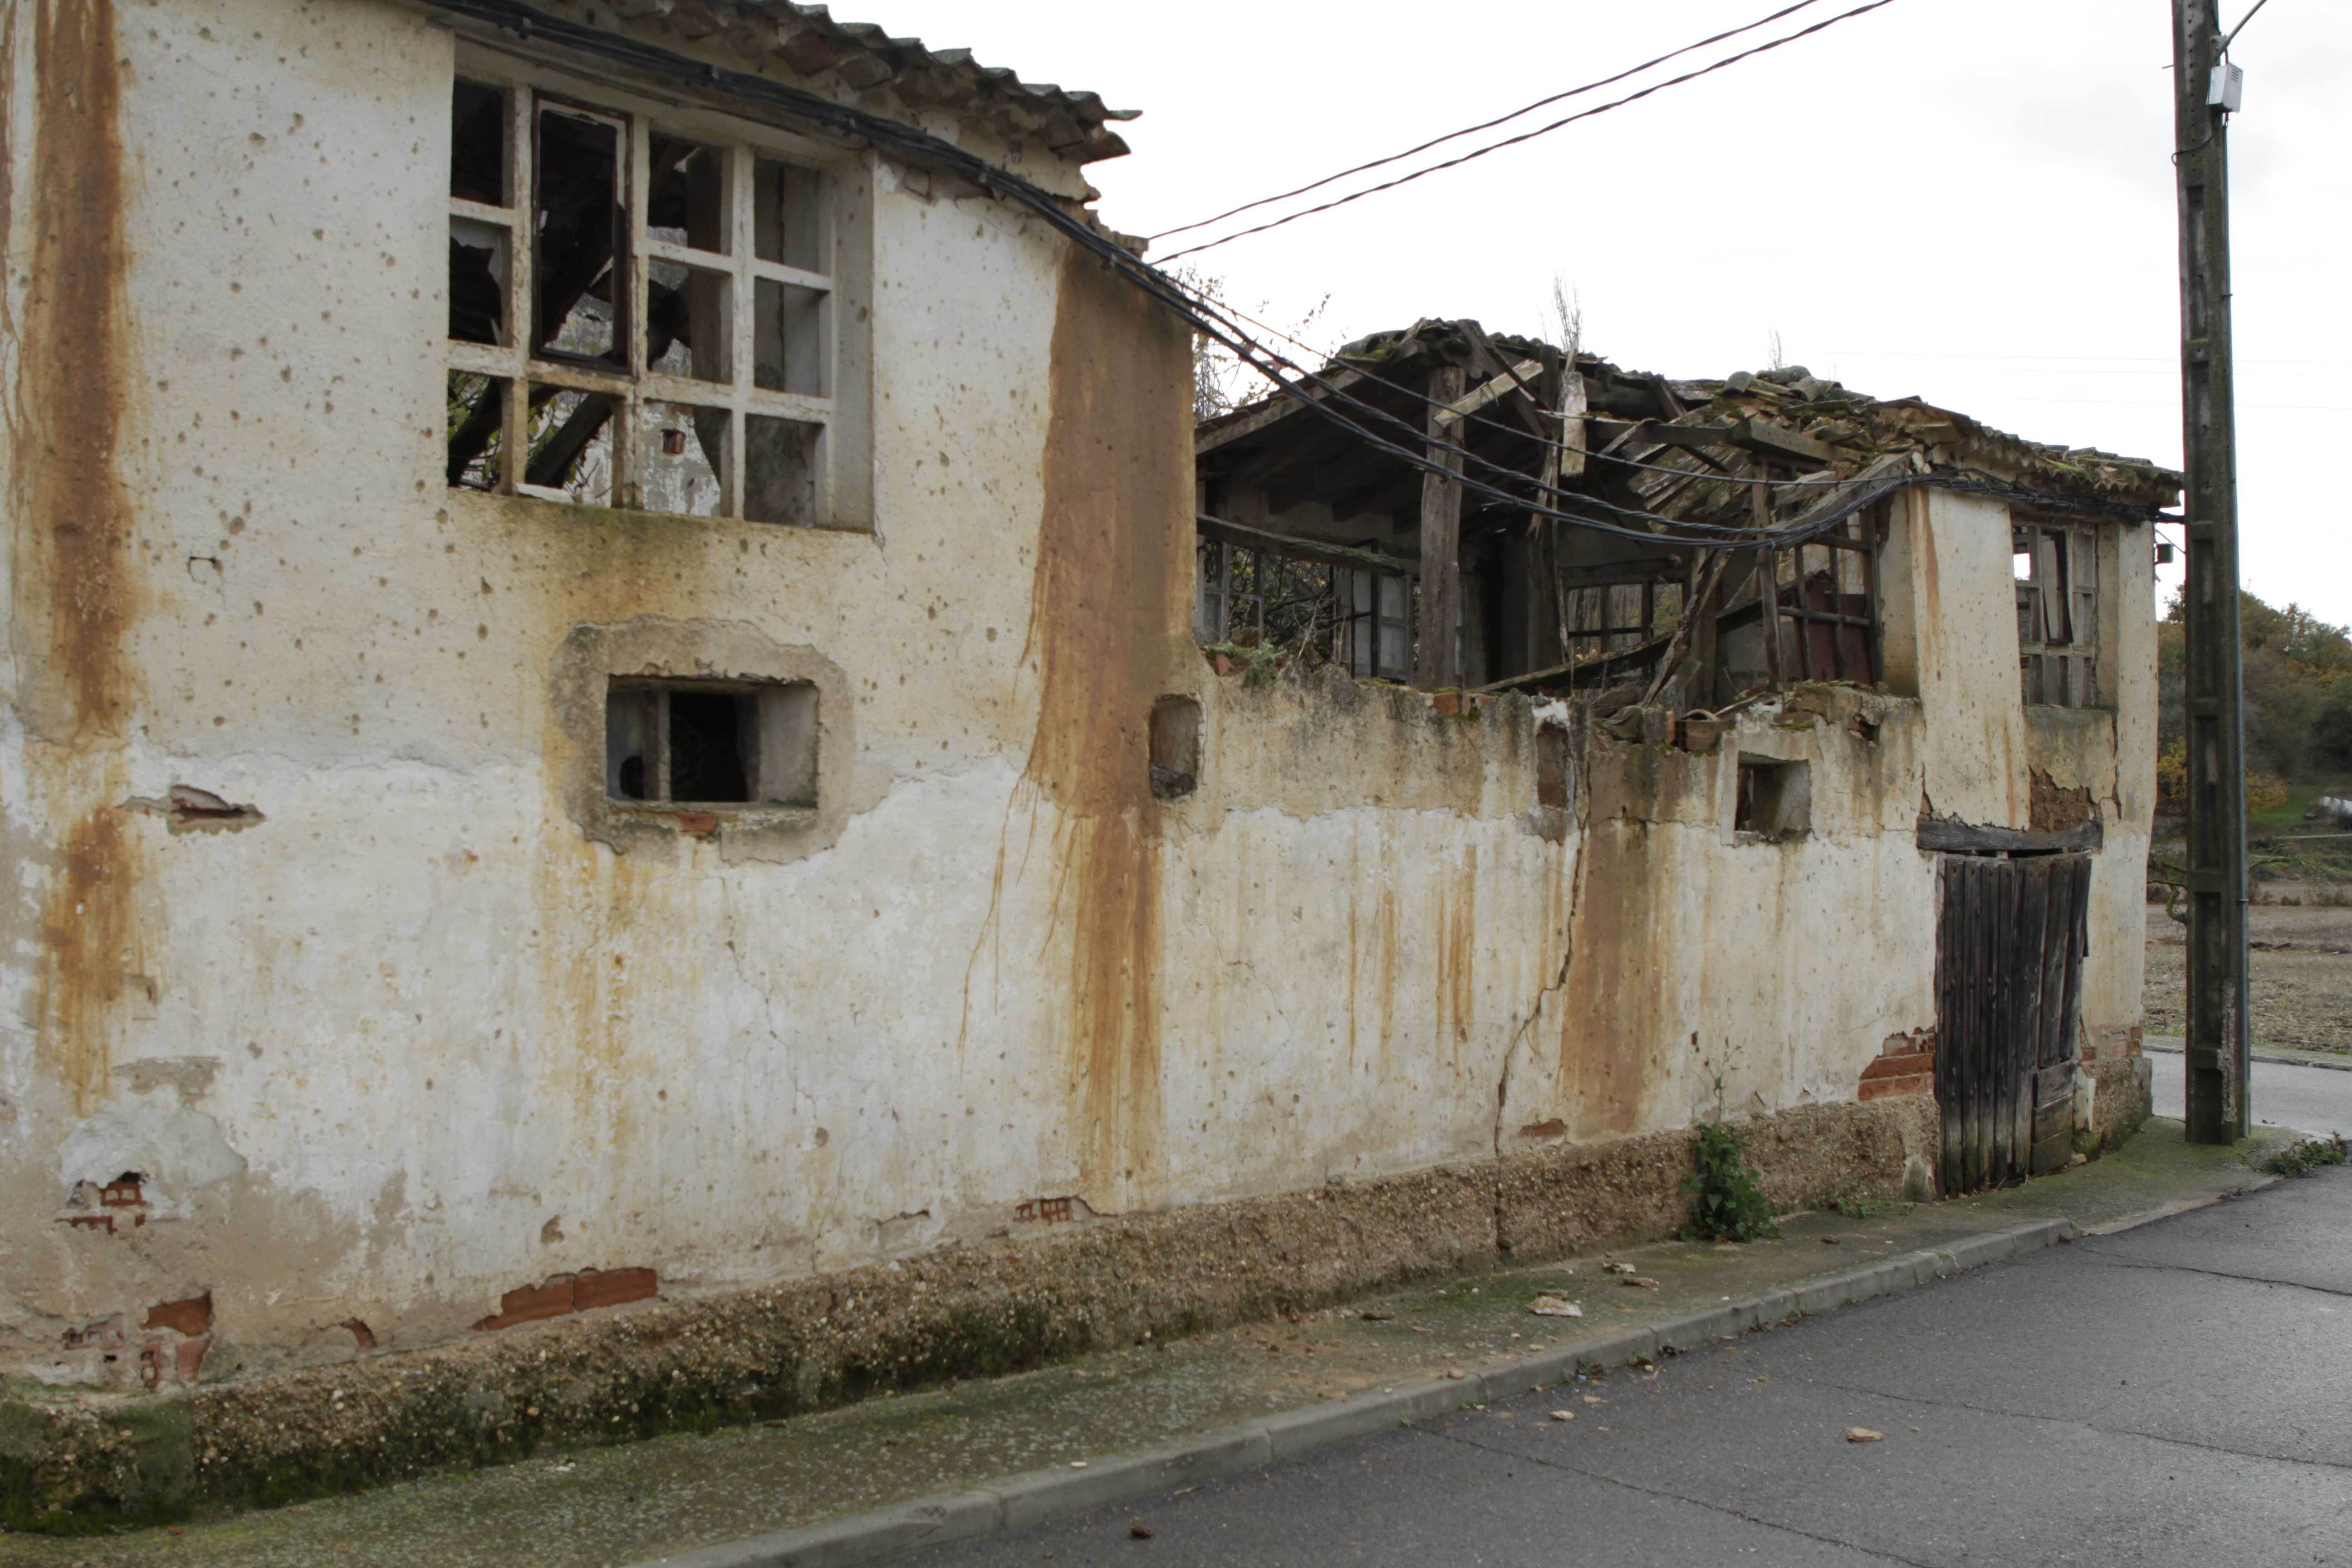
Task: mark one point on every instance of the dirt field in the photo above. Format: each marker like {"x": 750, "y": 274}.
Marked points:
{"x": 2302, "y": 975}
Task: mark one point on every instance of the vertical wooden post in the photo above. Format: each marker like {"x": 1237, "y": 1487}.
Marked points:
{"x": 1701, "y": 595}
{"x": 1438, "y": 662}
{"x": 1564, "y": 461}
{"x": 2216, "y": 1022}
{"x": 1768, "y": 582}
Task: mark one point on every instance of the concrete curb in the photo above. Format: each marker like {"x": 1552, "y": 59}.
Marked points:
{"x": 1035, "y": 1496}
{"x": 2274, "y": 1057}
{"x": 2256, "y": 1181}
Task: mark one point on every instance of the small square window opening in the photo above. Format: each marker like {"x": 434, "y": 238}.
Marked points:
{"x": 1775, "y": 802}
{"x": 700, "y": 744}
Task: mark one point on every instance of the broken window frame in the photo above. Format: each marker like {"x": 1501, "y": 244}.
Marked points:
{"x": 1311, "y": 609}
{"x": 1371, "y": 634}
{"x": 776, "y": 743}
{"x": 518, "y": 370}
{"x": 1850, "y": 556}
{"x": 2057, "y": 637}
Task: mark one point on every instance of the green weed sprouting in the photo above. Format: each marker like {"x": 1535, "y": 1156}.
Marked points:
{"x": 1725, "y": 1203}
{"x": 2306, "y": 1156}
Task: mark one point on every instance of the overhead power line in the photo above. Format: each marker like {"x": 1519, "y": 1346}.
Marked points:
{"x": 1483, "y": 125}
{"x": 1530, "y": 135}
{"x": 757, "y": 97}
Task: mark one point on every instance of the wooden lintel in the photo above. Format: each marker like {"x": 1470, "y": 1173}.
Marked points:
{"x": 1767, "y": 439}
{"x": 1964, "y": 839}
{"x": 1291, "y": 545}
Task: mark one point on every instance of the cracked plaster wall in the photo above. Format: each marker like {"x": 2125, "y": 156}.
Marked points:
{"x": 415, "y": 1039}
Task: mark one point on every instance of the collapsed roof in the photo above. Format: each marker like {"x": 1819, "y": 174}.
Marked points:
{"x": 1683, "y": 448}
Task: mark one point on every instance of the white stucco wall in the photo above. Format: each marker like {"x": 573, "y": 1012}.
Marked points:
{"x": 417, "y": 1039}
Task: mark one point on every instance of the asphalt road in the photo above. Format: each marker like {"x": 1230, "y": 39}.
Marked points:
{"x": 2313, "y": 1100}
{"x": 2178, "y": 1394}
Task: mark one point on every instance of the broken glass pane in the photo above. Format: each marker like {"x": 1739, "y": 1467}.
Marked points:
{"x": 689, "y": 322}
{"x": 477, "y": 414}
{"x": 780, "y": 457}
{"x": 789, "y": 339}
{"x": 571, "y": 445}
{"x": 687, "y": 204}
{"x": 477, "y": 144}
{"x": 580, "y": 222}
{"x": 682, "y": 458}
{"x": 477, "y": 281}
{"x": 788, "y": 216}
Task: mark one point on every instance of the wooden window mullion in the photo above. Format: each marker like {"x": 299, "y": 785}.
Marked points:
{"x": 659, "y": 745}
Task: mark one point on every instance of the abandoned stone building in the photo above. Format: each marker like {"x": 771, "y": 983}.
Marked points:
{"x": 637, "y": 725}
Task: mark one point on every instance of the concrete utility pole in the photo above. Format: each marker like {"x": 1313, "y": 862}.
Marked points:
{"x": 2205, "y": 90}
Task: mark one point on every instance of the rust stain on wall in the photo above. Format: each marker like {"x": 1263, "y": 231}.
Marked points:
{"x": 66, "y": 410}
{"x": 1457, "y": 928}
{"x": 1609, "y": 1006}
{"x": 1113, "y": 559}
{"x": 75, "y": 590}
{"x": 88, "y": 932}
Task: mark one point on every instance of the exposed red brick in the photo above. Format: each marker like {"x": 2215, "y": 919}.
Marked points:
{"x": 123, "y": 1192}
{"x": 531, "y": 1303}
{"x": 2132, "y": 1042}
{"x": 1552, "y": 1129}
{"x": 366, "y": 1335}
{"x": 1448, "y": 703}
{"x": 1901, "y": 1066}
{"x": 2090, "y": 1053}
{"x": 191, "y": 1317}
{"x": 95, "y": 1221}
{"x": 700, "y": 824}
{"x": 1906, "y": 1071}
{"x": 191, "y": 1358}
{"x": 611, "y": 1287}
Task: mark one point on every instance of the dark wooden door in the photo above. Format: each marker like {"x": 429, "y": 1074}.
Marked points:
{"x": 2009, "y": 981}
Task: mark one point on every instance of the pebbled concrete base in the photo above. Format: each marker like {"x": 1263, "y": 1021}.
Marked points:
{"x": 1039, "y": 1495}
{"x": 1284, "y": 1375}
{"x": 980, "y": 1309}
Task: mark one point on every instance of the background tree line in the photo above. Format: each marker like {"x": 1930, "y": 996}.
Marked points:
{"x": 2298, "y": 695}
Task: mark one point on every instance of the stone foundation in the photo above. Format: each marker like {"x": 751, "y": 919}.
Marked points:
{"x": 2113, "y": 1097}
{"x": 970, "y": 1310}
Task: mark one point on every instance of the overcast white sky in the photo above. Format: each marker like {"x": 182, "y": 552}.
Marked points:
{"x": 1971, "y": 200}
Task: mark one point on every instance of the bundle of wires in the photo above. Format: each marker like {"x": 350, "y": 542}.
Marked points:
{"x": 754, "y": 97}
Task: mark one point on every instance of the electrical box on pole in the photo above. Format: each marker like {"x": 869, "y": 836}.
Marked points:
{"x": 2206, "y": 88}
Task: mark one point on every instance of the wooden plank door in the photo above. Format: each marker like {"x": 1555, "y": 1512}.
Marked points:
{"x": 2008, "y": 978}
